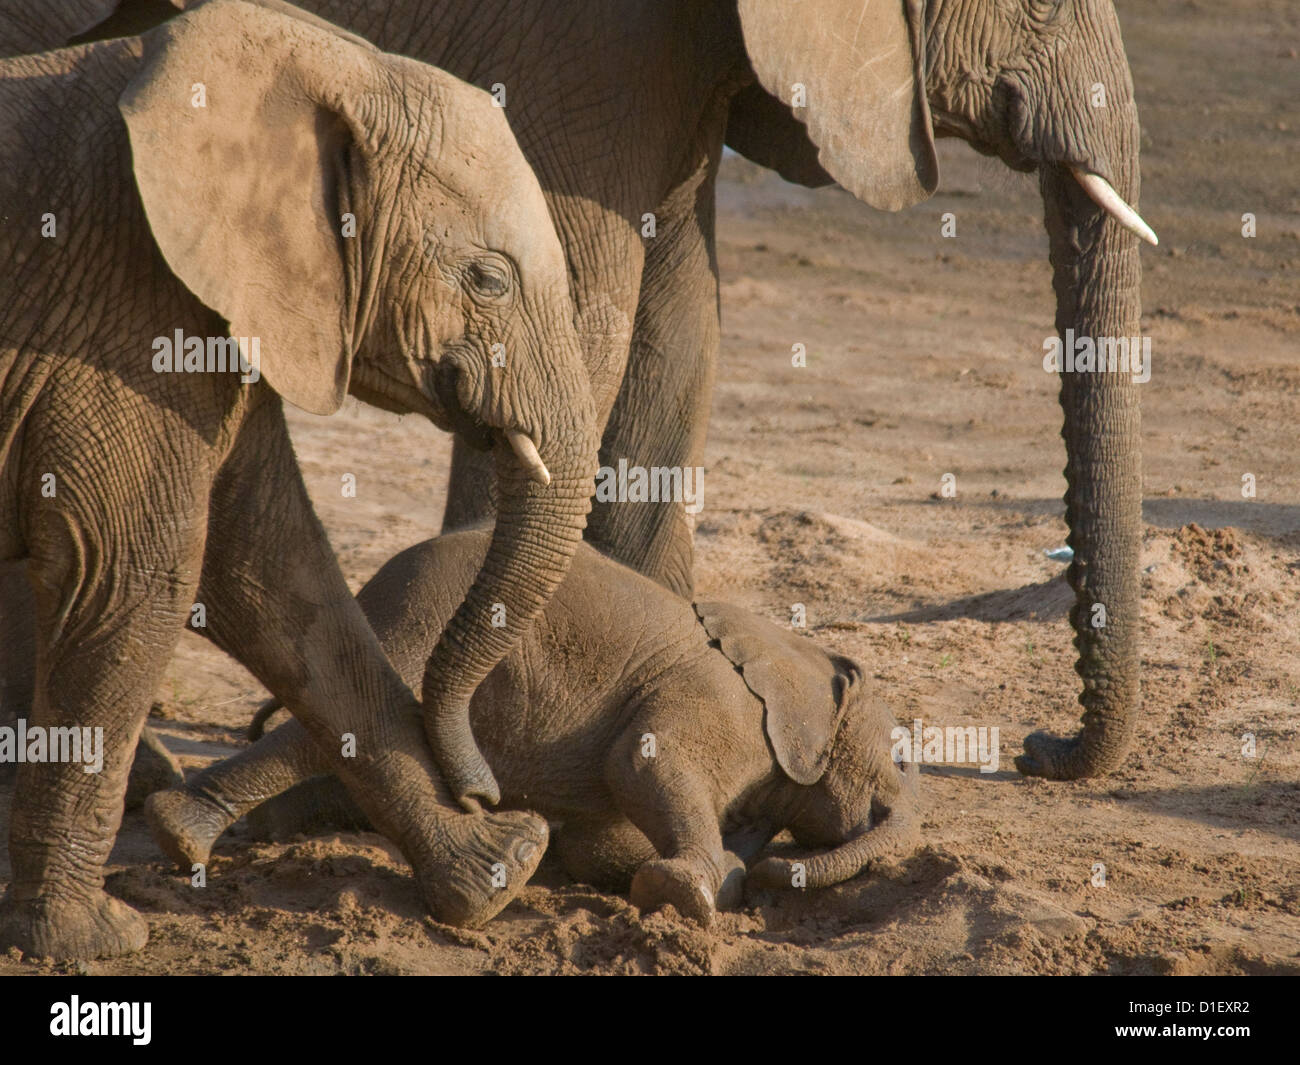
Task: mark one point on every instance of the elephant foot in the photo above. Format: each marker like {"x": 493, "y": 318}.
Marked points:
{"x": 484, "y": 861}
{"x": 185, "y": 824}
{"x": 1052, "y": 757}
{"x": 81, "y": 928}
{"x": 732, "y": 891}
{"x": 154, "y": 769}
{"x": 677, "y": 882}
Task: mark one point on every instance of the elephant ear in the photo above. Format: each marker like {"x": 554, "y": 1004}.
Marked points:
{"x": 803, "y": 693}
{"x": 861, "y": 65}
{"x": 241, "y": 122}
{"x": 764, "y": 130}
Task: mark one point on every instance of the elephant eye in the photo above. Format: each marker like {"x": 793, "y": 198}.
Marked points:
{"x": 488, "y": 279}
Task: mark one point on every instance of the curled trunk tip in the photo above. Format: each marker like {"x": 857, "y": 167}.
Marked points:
{"x": 896, "y": 834}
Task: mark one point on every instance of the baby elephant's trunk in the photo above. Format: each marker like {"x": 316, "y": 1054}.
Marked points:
{"x": 897, "y": 834}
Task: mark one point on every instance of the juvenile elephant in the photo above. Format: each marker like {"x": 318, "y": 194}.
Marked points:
{"x": 852, "y": 91}
{"x": 665, "y": 736}
{"x": 363, "y": 223}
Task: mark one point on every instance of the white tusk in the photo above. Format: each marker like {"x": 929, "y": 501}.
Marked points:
{"x": 528, "y": 456}
{"x": 1104, "y": 196}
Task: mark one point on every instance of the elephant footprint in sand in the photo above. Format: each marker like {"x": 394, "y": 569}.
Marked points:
{"x": 672, "y": 740}
{"x": 368, "y": 224}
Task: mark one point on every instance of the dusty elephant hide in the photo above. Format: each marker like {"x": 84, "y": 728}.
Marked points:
{"x": 671, "y": 742}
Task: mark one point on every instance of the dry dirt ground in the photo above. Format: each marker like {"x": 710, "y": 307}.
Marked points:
{"x": 822, "y": 488}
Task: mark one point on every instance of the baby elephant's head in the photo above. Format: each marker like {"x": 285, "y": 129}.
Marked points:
{"x": 370, "y": 221}
{"x": 830, "y": 737}
{"x": 863, "y": 805}
{"x": 365, "y": 222}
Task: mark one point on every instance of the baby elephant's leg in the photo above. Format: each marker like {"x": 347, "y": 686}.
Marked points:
{"x": 658, "y": 774}
{"x": 186, "y": 821}
{"x": 604, "y": 851}
{"x": 315, "y": 807}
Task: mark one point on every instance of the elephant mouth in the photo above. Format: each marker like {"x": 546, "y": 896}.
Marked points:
{"x": 380, "y": 389}
{"x": 466, "y": 424}
{"x": 478, "y": 433}
{"x": 1022, "y": 157}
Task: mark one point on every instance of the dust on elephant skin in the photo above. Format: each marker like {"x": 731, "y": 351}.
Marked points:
{"x": 671, "y": 742}
{"x": 174, "y": 279}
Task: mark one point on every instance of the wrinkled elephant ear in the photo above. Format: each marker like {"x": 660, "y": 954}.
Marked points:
{"x": 804, "y": 691}
{"x": 240, "y": 123}
{"x": 858, "y": 70}
{"x": 764, "y": 130}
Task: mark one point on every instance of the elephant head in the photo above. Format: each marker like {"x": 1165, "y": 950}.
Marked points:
{"x": 1043, "y": 84}
{"x": 863, "y": 806}
{"x": 372, "y": 221}
{"x": 831, "y": 740}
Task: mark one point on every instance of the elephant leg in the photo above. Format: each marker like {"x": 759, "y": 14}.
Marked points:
{"x": 673, "y": 805}
{"x": 276, "y": 601}
{"x": 109, "y": 611}
{"x": 186, "y": 821}
{"x": 153, "y": 767}
{"x": 17, "y": 651}
{"x": 660, "y": 416}
{"x": 604, "y": 851}
{"x": 312, "y": 808}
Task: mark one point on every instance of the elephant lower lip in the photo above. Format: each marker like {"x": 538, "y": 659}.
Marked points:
{"x": 1018, "y": 156}
{"x": 475, "y": 433}
{"x": 391, "y": 393}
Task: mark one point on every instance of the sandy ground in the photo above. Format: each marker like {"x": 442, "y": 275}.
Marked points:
{"x": 823, "y": 488}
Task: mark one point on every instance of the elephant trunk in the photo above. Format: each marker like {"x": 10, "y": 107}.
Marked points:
{"x": 538, "y": 529}
{"x": 1097, "y": 278}
{"x": 895, "y": 833}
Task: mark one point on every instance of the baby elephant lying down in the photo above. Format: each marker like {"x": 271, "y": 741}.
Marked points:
{"x": 671, "y": 741}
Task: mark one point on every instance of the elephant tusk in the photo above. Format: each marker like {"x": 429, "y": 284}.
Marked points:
{"x": 528, "y": 456}
{"x": 1104, "y": 196}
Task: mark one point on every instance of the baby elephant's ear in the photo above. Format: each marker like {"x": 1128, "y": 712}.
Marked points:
{"x": 803, "y": 694}
{"x": 239, "y": 120}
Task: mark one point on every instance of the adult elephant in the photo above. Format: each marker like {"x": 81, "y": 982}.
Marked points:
{"x": 623, "y": 106}
{"x": 362, "y": 223}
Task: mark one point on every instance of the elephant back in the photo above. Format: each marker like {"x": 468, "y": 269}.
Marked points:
{"x": 801, "y": 687}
